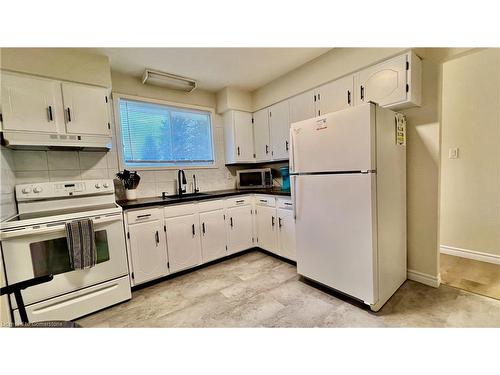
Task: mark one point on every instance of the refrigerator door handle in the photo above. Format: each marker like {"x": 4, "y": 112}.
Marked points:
{"x": 292, "y": 152}
{"x": 294, "y": 200}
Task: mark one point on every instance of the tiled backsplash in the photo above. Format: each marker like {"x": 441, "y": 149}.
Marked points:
{"x": 41, "y": 166}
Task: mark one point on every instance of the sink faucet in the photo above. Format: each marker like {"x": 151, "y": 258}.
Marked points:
{"x": 195, "y": 188}
{"x": 181, "y": 180}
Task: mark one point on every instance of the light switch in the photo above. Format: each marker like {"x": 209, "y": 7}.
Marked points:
{"x": 453, "y": 153}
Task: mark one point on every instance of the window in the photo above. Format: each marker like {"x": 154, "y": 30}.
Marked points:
{"x": 157, "y": 135}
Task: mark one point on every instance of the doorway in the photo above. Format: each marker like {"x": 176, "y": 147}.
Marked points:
{"x": 470, "y": 173}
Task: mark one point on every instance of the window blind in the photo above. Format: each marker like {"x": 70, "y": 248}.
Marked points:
{"x": 160, "y": 135}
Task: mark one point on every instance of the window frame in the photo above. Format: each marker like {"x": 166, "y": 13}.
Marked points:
{"x": 119, "y": 140}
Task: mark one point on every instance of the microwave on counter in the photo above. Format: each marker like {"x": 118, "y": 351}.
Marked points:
{"x": 254, "y": 178}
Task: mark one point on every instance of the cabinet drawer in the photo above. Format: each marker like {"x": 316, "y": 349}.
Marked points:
{"x": 211, "y": 205}
{"x": 141, "y": 216}
{"x": 180, "y": 210}
{"x": 285, "y": 203}
{"x": 265, "y": 200}
{"x": 239, "y": 201}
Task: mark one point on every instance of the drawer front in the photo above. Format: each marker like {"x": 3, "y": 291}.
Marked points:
{"x": 239, "y": 201}
{"x": 265, "y": 200}
{"x": 141, "y": 216}
{"x": 211, "y": 205}
{"x": 285, "y": 203}
{"x": 180, "y": 210}
{"x": 82, "y": 302}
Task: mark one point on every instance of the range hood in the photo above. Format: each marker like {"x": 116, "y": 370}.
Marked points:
{"x": 43, "y": 141}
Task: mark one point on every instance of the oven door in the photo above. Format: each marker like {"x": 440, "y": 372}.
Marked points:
{"x": 42, "y": 250}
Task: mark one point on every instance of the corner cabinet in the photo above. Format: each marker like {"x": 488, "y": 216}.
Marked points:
{"x": 395, "y": 83}
{"x": 262, "y": 143}
{"x": 279, "y": 129}
{"x": 238, "y": 137}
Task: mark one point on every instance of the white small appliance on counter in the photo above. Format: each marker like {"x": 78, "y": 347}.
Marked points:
{"x": 34, "y": 244}
{"x": 348, "y": 172}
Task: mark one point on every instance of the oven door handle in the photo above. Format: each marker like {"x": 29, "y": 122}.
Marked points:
{"x": 53, "y": 228}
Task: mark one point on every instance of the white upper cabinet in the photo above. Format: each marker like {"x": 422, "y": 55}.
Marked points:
{"x": 262, "y": 142}
{"x": 302, "y": 107}
{"x": 86, "y": 109}
{"x": 30, "y": 104}
{"x": 213, "y": 234}
{"x": 335, "y": 96}
{"x": 279, "y": 127}
{"x": 238, "y": 137}
{"x": 183, "y": 242}
{"x": 394, "y": 83}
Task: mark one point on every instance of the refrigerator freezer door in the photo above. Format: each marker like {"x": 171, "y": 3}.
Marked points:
{"x": 336, "y": 232}
{"x": 338, "y": 141}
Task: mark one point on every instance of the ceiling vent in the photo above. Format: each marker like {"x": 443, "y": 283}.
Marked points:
{"x": 171, "y": 81}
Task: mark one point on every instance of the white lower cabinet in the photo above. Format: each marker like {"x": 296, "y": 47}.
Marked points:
{"x": 179, "y": 237}
{"x": 147, "y": 246}
{"x": 213, "y": 235}
{"x": 183, "y": 242}
{"x": 286, "y": 234}
{"x": 240, "y": 231}
{"x": 265, "y": 221}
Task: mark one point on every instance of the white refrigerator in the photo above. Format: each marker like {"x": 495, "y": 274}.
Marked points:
{"x": 348, "y": 181}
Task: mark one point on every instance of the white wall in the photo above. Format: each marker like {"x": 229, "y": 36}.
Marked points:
{"x": 61, "y": 63}
{"x": 470, "y": 185}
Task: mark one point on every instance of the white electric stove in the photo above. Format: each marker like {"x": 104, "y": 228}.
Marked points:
{"x": 34, "y": 244}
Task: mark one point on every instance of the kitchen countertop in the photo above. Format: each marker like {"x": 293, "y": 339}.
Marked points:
{"x": 216, "y": 194}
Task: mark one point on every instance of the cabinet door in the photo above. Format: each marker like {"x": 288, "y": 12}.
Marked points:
{"x": 183, "y": 242}
{"x": 240, "y": 230}
{"x": 336, "y": 95}
{"x": 286, "y": 234}
{"x": 213, "y": 235}
{"x": 243, "y": 136}
{"x": 302, "y": 107}
{"x": 385, "y": 83}
{"x": 86, "y": 109}
{"x": 148, "y": 251}
{"x": 262, "y": 143}
{"x": 279, "y": 126}
{"x": 266, "y": 223}
{"x": 30, "y": 104}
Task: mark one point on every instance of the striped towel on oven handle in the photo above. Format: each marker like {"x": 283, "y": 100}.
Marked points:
{"x": 82, "y": 249}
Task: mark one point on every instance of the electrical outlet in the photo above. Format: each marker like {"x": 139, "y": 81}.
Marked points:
{"x": 453, "y": 153}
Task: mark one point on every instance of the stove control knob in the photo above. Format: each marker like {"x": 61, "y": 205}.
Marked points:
{"x": 105, "y": 185}
{"x": 27, "y": 190}
{"x": 37, "y": 189}
{"x": 98, "y": 186}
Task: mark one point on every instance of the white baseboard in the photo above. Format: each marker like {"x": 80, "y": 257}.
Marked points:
{"x": 424, "y": 278}
{"x": 470, "y": 254}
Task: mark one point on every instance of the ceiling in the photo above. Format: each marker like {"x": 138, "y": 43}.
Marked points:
{"x": 213, "y": 68}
